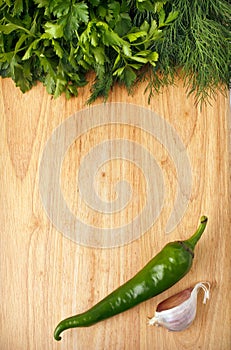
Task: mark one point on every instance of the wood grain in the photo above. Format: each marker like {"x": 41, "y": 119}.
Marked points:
{"x": 46, "y": 277}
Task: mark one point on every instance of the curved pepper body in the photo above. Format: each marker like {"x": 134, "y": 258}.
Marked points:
{"x": 161, "y": 272}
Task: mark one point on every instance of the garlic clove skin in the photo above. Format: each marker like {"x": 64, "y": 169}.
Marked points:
{"x": 179, "y": 311}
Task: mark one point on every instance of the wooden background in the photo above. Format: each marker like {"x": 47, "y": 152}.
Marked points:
{"x": 46, "y": 277}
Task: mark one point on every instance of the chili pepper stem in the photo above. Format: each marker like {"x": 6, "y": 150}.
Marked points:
{"x": 192, "y": 241}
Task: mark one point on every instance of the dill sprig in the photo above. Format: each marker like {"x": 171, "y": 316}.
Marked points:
{"x": 196, "y": 47}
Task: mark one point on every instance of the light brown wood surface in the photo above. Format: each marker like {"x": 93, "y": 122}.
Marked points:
{"x": 46, "y": 277}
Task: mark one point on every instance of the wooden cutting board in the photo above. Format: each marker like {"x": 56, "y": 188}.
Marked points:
{"x": 53, "y": 267}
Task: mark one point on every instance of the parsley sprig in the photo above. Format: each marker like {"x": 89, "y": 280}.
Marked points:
{"x": 58, "y": 42}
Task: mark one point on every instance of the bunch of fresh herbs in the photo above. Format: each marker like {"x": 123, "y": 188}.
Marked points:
{"x": 197, "y": 47}
{"x": 58, "y": 42}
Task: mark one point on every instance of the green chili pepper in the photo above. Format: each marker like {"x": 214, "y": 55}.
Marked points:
{"x": 162, "y": 272}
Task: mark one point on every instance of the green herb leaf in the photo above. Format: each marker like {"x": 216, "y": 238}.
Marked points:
{"x": 137, "y": 35}
{"x": 53, "y": 30}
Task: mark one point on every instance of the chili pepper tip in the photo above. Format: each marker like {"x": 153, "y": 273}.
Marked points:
{"x": 57, "y": 333}
{"x": 58, "y": 338}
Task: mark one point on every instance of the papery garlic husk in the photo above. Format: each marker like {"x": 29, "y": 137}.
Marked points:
{"x": 179, "y": 311}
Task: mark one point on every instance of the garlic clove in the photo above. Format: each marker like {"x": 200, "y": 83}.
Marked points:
{"x": 174, "y": 300}
{"x": 177, "y": 312}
